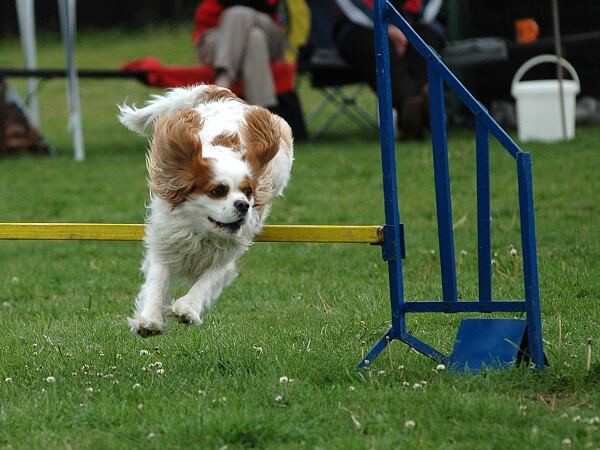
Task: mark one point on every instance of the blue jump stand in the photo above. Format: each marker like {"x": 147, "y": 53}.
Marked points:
{"x": 486, "y": 342}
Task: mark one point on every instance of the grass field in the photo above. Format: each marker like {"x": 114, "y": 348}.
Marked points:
{"x": 274, "y": 365}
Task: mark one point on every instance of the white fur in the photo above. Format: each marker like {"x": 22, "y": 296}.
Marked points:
{"x": 180, "y": 240}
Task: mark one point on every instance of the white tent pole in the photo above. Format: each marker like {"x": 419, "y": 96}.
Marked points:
{"x": 67, "y": 11}
{"x": 26, "y": 16}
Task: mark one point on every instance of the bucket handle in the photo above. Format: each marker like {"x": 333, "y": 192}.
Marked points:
{"x": 540, "y": 59}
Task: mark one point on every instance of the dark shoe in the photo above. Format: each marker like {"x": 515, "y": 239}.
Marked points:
{"x": 413, "y": 119}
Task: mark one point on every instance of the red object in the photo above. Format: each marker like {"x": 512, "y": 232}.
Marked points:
{"x": 206, "y": 17}
{"x": 208, "y": 13}
{"x": 158, "y": 75}
{"x": 409, "y": 6}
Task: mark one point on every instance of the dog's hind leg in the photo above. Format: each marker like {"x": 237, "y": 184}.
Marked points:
{"x": 203, "y": 294}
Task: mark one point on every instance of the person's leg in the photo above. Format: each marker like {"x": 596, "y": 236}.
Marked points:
{"x": 415, "y": 112}
{"x": 265, "y": 43}
{"x": 259, "y": 87}
{"x": 357, "y": 47}
{"x": 246, "y": 42}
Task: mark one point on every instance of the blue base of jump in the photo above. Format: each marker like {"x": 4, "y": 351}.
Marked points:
{"x": 488, "y": 343}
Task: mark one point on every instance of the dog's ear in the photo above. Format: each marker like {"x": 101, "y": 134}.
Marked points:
{"x": 174, "y": 162}
{"x": 261, "y": 136}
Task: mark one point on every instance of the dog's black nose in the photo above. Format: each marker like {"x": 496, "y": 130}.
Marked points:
{"x": 242, "y": 206}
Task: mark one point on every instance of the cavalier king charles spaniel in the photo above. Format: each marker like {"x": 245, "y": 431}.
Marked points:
{"x": 215, "y": 164}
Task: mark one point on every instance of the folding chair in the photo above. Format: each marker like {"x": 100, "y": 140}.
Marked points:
{"x": 329, "y": 73}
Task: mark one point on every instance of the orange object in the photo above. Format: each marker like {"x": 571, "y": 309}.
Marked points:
{"x": 526, "y": 30}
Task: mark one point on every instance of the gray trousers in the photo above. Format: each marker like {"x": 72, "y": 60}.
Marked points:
{"x": 243, "y": 45}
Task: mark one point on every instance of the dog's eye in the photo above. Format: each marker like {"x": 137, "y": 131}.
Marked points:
{"x": 248, "y": 192}
{"x": 219, "y": 191}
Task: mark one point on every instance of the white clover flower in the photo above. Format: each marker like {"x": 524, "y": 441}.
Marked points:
{"x": 50, "y": 380}
{"x": 405, "y": 383}
{"x": 463, "y": 253}
{"x": 140, "y": 406}
{"x": 284, "y": 380}
{"x": 279, "y": 398}
{"x": 566, "y": 443}
{"x": 440, "y": 367}
{"x": 89, "y": 389}
{"x": 151, "y": 435}
{"x": 417, "y": 386}
{"x": 144, "y": 352}
{"x": 513, "y": 252}
{"x": 160, "y": 371}
{"x": 410, "y": 424}
{"x": 351, "y": 388}
{"x": 137, "y": 386}
{"x": 8, "y": 380}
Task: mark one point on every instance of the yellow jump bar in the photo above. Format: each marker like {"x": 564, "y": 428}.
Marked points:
{"x": 371, "y": 234}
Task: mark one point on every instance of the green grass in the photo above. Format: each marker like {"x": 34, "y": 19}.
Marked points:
{"x": 306, "y": 312}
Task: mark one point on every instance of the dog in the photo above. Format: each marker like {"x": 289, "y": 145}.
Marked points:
{"x": 215, "y": 164}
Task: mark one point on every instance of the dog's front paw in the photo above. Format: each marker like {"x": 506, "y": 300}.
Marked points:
{"x": 145, "y": 327}
{"x": 185, "y": 311}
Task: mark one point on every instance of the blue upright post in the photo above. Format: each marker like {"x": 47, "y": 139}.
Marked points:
{"x": 484, "y": 244}
{"x": 442, "y": 185}
{"x": 392, "y": 249}
{"x": 530, "y": 269}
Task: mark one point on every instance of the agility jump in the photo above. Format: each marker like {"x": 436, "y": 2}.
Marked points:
{"x": 481, "y": 342}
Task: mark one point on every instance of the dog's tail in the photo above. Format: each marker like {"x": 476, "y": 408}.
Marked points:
{"x": 141, "y": 120}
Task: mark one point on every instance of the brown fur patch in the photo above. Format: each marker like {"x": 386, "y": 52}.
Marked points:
{"x": 246, "y": 184}
{"x": 215, "y": 94}
{"x": 261, "y": 136}
{"x": 228, "y": 139}
{"x": 174, "y": 162}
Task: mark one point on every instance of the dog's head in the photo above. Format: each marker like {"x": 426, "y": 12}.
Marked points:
{"x": 214, "y": 181}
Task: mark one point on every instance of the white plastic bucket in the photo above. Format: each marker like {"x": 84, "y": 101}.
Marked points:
{"x": 538, "y": 103}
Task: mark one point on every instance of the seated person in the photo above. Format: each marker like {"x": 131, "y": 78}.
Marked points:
{"x": 240, "y": 39}
{"x": 353, "y": 35}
